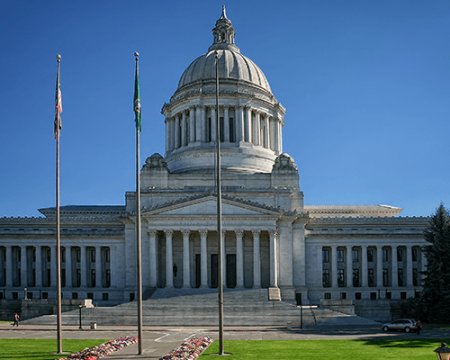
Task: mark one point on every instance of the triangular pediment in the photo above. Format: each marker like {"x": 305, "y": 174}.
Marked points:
{"x": 207, "y": 206}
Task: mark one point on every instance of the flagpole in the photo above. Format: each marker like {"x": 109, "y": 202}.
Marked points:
{"x": 219, "y": 210}
{"x": 58, "y": 225}
{"x": 138, "y": 210}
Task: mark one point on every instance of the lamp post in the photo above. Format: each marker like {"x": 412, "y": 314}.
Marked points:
{"x": 80, "y": 307}
{"x": 443, "y": 352}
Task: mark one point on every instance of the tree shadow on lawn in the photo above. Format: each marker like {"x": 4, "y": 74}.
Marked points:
{"x": 404, "y": 343}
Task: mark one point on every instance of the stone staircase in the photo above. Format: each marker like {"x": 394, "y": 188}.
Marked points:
{"x": 199, "y": 307}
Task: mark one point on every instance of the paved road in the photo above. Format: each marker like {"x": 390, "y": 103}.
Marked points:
{"x": 158, "y": 341}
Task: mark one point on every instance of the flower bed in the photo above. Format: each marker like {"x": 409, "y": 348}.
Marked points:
{"x": 104, "y": 349}
{"x": 190, "y": 349}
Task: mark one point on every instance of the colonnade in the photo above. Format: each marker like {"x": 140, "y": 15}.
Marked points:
{"x": 187, "y": 260}
{"x": 197, "y": 124}
{"x": 35, "y": 266}
{"x": 383, "y": 269}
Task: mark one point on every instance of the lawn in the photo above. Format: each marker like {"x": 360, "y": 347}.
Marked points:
{"x": 410, "y": 349}
{"x": 41, "y": 349}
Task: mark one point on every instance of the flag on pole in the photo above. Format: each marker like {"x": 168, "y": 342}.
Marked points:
{"x": 137, "y": 100}
{"x": 58, "y": 107}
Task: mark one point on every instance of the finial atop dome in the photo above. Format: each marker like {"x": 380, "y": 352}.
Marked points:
{"x": 223, "y": 34}
{"x": 224, "y": 13}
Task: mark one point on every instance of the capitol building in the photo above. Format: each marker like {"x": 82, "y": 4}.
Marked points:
{"x": 300, "y": 253}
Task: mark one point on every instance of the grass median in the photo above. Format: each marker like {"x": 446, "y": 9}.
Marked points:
{"x": 42, "y": 349}
{"x": 405, "y": 349}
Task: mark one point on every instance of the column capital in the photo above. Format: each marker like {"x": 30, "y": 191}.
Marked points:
{"x": 256, "y": 232}
{"x": 203, "y": 232}
{"x": 185, "y": 232}
{"x": 273, "y": 233}
{"x": 239, "y": 232}
{"x": 168, "y": 232}
{"x": 152, "y": 232}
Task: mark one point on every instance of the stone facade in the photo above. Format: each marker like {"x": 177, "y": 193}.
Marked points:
{"x": 271, "y": 239}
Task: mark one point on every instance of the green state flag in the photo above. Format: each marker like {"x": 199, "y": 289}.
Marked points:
{"x": 137, "y": 101}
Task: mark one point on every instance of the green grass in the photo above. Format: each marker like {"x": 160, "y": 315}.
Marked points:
{"x": 42, "y": 349}
{"x": 410, "y": 349}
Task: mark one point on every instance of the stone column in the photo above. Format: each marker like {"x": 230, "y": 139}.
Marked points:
{"x": 267, "y": 132}
{"x": 167, "y": 134}
{"x": 364, "y": 267}
{"x": 333, "y": 272}
{"x": 239, "y": 123}
{"x": 226, "y": 124}
{"x": 184, "y": 140}
{"x": 199, "y": 124}
{"x": 423, "y": 263}
{"x": 53, "y": 266}
{"x": 239, "y": 259}
{"x": 203, "y": 258}
{"x": 9, "y": 269}
{"x": 248, "y": 124}
{"x": 186, "y": 267}
{"x": 257, "y": 129}
{"x": 98, "y": 267}
{"x": 213, "y": 124}
{"x": 83, "y": 266}
{"x": 319, "y": 266}
{"x": 409, "y": 266}
{"x": 191, "y": 124}
{"x": 256, "y": 260}
{"x": 349, "y": 266}
{"x": 68, "y": 266}
{"x": 379, "y": 266}
{"x": 38, "y": 266}
{"x": 169, "y": 259}
{"x": 280, "y": 137}
{"x": 273, "y": 259}
{"x": 112, "y": 265}
{"x": 23, "y": 266}
{"x": 394, "y": 265}
{"x": 177, "y": 131}
{"x": 152, "y": 258}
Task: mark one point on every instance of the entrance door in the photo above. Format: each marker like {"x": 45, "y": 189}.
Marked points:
{"x": 231, "y": 271}
{"x": 214, "y": 270}
{"x": 197, "y": 271}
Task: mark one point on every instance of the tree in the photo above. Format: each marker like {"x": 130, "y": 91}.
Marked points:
{"x": 434, "y": 301}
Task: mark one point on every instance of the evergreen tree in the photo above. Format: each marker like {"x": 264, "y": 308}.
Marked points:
{"x": 434, "y": 302}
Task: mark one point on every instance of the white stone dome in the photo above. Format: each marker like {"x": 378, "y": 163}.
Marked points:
{"x": 232, "y": 65}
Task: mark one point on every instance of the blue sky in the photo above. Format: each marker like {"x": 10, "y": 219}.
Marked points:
{"x": 365, "y": 84}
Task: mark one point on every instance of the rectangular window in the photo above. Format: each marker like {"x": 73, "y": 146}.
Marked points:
{"x": 34, "y": 255}
{"x": 45, "y": 295}
{"x": 78, "y": 277}
{"x": 385, "y": 254}
{"x": 108, "y": 278}
{"x": 90, "y": 295}
{"x": 358, "y": 296}
{"x": 373, "y": 296}
{"x": 222, "y": 132}
{"x": 415, "y": 281}
{"x": 415, "y": 252}
{"x": 400, "y": 277}
{"x": 75, "y": 296}
{"x": 343, "y": 296}
{"x": 325, "y": 256}
{"x": 326, "y": 278}
{"x": 93, "y": 255}
{"x": 341, "y": 282}
{"x": 370, "y": 255}
{"x": 92, "y": 277}
{"x": 209, "y": 131}
{"x": 108, "y": 255}
{"x": 385, "y": 277}
{"x": 355, "y": 255}
{"x": 63, "y": 254}
{"x": 340, "y": 255}
{"x": 63, "y": 277}
{"x": 356, "y": 277}
{"x": 49, "y": 255}
{"x": 399, "y": 254}
{"x": 78, "y": 255}
{"x": 105, "y": 296}
{"x": 327, "y": 296}
{"x": 371, "y": 278}
{"x": 232, "y": 131}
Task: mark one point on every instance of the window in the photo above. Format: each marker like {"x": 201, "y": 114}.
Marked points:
{"x": 222, "y": 133}
{"x": 92, "y": 277}
{"x": 373, "y": 296}
{"x": 108, "y": 278}
{"x": 370, "y": 255}
{"x": 232, "y": 131}
{"x": 78, "y": 278}
{"x": 325, "y": 256}
{"x": 415, "y": 281}
{"x": 45, "y": 295}
{"x": 341, "y": 282}
{"x": 63, "y": 255}
{"x": 403, "y": 295}
{"x": 78, "y": 255}
{"x": 74, "y": 296}
{"x": 355, "y": 256}
{"x": 63, "y": 277}
{"x": 356, "y": 277}
{"x": 131, "y": 296}
{"x": 340, "y": 255}
{"x": 415, "y": 253}
{"x": 107, "y": 255}
{"x": 400, "y": 277}
{"x": 385, "y": 277}
{"x": 93, "y": 255}
{"x": 371, "y": 278}
{"x": 326, "y": 278}
{"x": 358, "y": 296}
{"x": 15, "y": 295}
{"x": 388, "y": 295}
{"x": 399, "y": 254}
{"x": 34, "y": 255}
{"x": 90, "y": 295}
{"x": 49, "y": 255}
{"x": 105, "y": 296}
{"x": 327, "y": 296}
{"x": 385, "y": 254}
{"x": 343, "y": 296}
